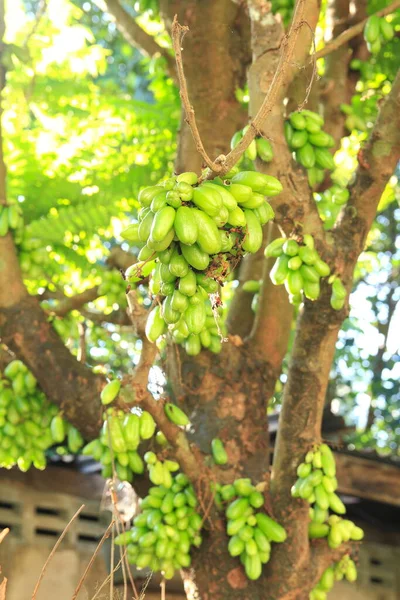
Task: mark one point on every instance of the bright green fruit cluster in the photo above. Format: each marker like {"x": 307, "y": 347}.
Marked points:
{"x": 124, "y": 432}
{"x": 259, "y": 147}
{"x": 377, "y": 32}
{"x": 165, "y": 530}
{"x": 330, "y": 202}
{"x": 33, "y": 258}
{"x": 305, "y": 137}
{"x": 113, "y": 287}
{"x": 335, "y": 529}
{"x": 160, "y": 471}
{"x": 251, "y": 531}
{"x": 317, "y": 483}
{"x": 29, "y": 424}
{"x": 192, "y": 234}
{"x": 284, "y": 8}
{"x": 345, "y": 568}
{"x": 298, "y": 266}
{"x": 11, "y": 219}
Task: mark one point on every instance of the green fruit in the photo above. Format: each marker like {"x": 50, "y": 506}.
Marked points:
{"x": 297, "y": 121}
{"x": 321, "y": 139}
{"x": 196, "y": 257}
{"x": 219, "y": 453}
{"x": 274, "y": 249}
{"x": 336, "y": 504}
{"x": 261, "y": 540}
{"x": 255, "y": 201}
{"x": 327, "y": 460}
{"x": 155, "y": 325}
{"x": 327, "y": 580}
{"x": 272, "y": 529}
{"x": 243, "y": 487}
{"x": 147, "y": 194}
{"x": 110, "y": 391}
{"x": 236, "y": 139}
{"x": 227, "y": 199}
{"x": 299, "y": 139}
{"x": 306, "y": 155}
{"x": 176, "y": 415}
{"x": 57, "y": 428}
{"x": 158, "y": 202}
{"x": 372, "y": 29}
{"x": 131, "y": 233}
{"x": 235, "y": 546}
{"x": 337, "y": 303}
{"x": 311, "y": 290}
{"x": 178, "y": 266}
{"x": 264, "y": 149}
{"x": 357, "y": 534}
{"x": 241, "y": 193}
{"x": 303, "y": 470}
{"x": 322, "y": 268}
{"x": 251, "y": 150}
{"x": 207, "y": 200}
{"x": 254, "y": 236}
{"x": 195, "y": 317}
{"x": 324, "y": 159}
{"x": 188, "y": 284}
{"x": 317, "y": 530}
{"x": 207, "y": 237}
{"x": 280, "y": 270}
{"x": 387, "y": 30}
{"x": 237, "y": 217}
{"x": 334, "y": 536}
{"x": 256, "y": 499}
{"x": 253, "y": 567}
{"x": 288, "y": 130}
{"x": 258, "y": 182}
{"x": 162, "y": 223}
{"x": 188, "y": 177}
{"x": 185, "y": 225}
{"x": 311, "y": 115}
{"x": 320, "y": 515}
{"x": 145, "y": 227}
{"x": 193, "y": 345}
{"x": 237, "y": 508}
{"x": 147, "y": 425}
{"x": 294, "y": 282}
{"x": 321, "y": 497}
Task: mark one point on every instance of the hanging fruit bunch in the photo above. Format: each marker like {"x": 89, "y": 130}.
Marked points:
{"x": 330, "y": 202}
{"x": 29, "y": 423}
{"x": 251, "y": 531}
{"x": 11, "y": 219}
{"x": 306, "y": 138}
{"x": 377, "y": 32}
{"x": 166, "y": 529}
{"x": 193, "y": 235}
{"x": 259, "y": 148}
{"x": 345, "y": 568}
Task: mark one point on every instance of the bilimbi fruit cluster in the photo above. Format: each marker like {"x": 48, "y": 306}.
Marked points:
{"x": 29, "y": 423}
{"x": 166, "y": 529}
{"x": 251, "y": 531}
{"x": 310, "y": 144}
{"x": 317, "y": 484}
{"x": 192, "y": 236}
{"x": 377, "y": 32}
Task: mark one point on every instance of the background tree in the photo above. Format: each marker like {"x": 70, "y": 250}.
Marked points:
{"x": 77, "y": 156}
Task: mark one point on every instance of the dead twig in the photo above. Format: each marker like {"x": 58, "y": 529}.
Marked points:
{"x": 54, "y": 550}
{"x": 90, "y": 563}
{"x": 178, "y": 32}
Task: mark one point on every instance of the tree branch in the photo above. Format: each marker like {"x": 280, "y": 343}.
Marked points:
{"x": 70, "y": 303}
{"x": 136, "y": 36}
{"x": 352, "y": 32}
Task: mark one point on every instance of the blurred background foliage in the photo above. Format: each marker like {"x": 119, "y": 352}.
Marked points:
{"x": 88, "y": 121}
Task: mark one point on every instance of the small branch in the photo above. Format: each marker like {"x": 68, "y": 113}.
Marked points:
{"x": 136, "y": 36}
{"x": 93, "y": 558}
{"x": 41, "y": 9}
{"x": 178, "y": 32}
{"x": 82, "y": 353}
{"x": 116, "y": 317}
{"x": 52, "y": 553}
{"x": 288, "y": 46}
{"x": 352, "y": 32}
{"x": 75, "y": 302}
